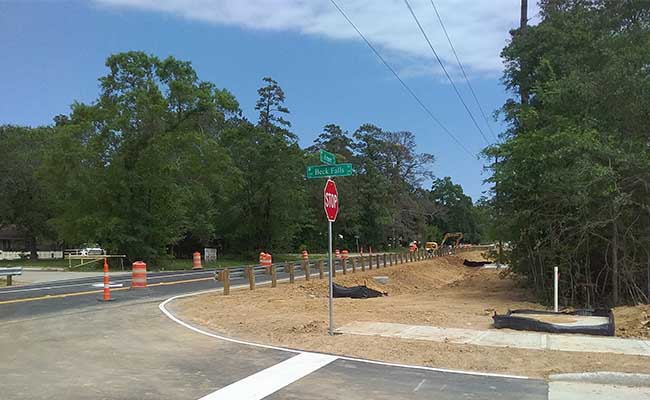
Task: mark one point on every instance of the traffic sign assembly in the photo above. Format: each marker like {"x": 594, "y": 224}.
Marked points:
{"x": 328, "y": 171}
{"x": 327, "y": 158}
{"x": 331, "y": 200}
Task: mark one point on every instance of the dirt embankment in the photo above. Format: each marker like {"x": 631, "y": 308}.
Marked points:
{"x": 439, "y": 292}
{"x": 633, "y": 322}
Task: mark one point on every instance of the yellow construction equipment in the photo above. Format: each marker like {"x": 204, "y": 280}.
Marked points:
{"x": 430, "y": 247}
{"x": 452, "y": 235}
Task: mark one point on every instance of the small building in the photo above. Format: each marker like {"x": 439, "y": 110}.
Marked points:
{"x": 13, "y": 245}
{"x": 11, "y": 239}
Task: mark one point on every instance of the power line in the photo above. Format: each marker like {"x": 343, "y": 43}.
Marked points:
{"x": 408, "y": 89}
{"x": 445, "y": 71}
{"x": 462, "y": 69}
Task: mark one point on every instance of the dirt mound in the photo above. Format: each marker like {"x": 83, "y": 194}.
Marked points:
{"x": 633, "y": 321}
{"x": 408, "y": 278}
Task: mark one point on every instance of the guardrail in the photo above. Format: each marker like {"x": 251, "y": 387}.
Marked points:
{"x": 10, "y": 272}
{"x": 341, "y": 265}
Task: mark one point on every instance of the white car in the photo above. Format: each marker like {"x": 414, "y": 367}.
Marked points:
{"x": 92, "y": 251}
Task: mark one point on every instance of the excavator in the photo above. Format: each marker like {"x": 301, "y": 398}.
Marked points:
{"x": 433, "y": 246}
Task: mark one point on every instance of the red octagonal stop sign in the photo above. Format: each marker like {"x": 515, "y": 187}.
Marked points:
{"x": 331, "y": 200}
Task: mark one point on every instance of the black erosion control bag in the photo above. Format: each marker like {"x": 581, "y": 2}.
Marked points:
{"x": 468, "y": 263}
{"x": 542, "y": 321}
{"x": 355, "y": 292}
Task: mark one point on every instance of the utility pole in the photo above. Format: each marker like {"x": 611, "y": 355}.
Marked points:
{"x": 523, "y": 23}
{"x": 524, "y": 14}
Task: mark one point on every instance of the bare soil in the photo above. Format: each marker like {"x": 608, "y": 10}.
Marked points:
{"x": 633, "y": 322}
{"x": 439, "y": 292}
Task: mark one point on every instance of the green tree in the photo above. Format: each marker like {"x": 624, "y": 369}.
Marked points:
{"x": 271, "y": 204}
{"x": 456, "y": 211}
{"x": 23, "y": 194}
{"x": 142, "y": 167}
{"x": 271, "y": 107}
{"x": 570, "y": 179}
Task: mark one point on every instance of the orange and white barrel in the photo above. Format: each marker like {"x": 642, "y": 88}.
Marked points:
{"x": 139, "y": 275}
{"x": 305, "y": 255}
{"x": 338, "y": 254}
{"x": 344, "y": 253}
{"x": 266, "y": 260}
{"x": 196, "y": 260}
{"x": 107, "y": 286}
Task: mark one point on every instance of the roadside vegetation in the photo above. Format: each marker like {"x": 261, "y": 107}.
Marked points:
{"x": 572, "y": 175}
{"x": 162, "y": 164}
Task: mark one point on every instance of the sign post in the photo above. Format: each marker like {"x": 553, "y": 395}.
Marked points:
{"x": 331, "y": 205}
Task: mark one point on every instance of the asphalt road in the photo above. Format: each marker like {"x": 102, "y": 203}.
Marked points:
{"x": 57, "y": 341}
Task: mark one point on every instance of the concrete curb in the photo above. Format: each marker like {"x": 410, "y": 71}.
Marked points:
{"x": 604, "y": 378}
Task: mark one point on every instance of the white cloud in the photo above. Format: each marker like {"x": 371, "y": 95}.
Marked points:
{"x": 478, "y": 28}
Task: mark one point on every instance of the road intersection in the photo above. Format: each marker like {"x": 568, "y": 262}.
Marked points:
{"x": 58, "y": 341}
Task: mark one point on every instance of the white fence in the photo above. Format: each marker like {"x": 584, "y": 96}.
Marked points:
{"x": 42, "y": 255}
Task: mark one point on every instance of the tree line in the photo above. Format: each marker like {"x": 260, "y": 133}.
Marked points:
{"x": 163, "y": 163}
{"x": 571, "y": 178}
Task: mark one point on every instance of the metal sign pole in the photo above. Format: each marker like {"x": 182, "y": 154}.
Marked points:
{"x": 331, "y": 292}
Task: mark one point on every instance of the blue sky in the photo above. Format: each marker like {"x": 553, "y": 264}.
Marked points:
{"x": 54, "y": 51}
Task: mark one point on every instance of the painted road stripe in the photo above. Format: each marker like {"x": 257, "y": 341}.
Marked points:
{"x": 272, "y": 379}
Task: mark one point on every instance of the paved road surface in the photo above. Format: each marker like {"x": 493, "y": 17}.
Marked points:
{"x": 58, "y": 342}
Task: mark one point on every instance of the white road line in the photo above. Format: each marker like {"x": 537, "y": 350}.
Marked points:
{"x": 272, "y": 379}
{"x": 171, "y": 316}
{"x": 419, "y": 385}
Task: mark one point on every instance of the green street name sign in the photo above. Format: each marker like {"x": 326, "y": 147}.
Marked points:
{"x": 325, "y": 171}
{"x": 327, "y": 158}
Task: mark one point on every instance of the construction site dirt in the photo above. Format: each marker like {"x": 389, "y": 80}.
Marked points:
{"x": 439, "y": 292}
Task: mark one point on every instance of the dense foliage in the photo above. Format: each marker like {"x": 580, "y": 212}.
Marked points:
{"x": 163, "y": 163}
{"x": 572, "y": 176}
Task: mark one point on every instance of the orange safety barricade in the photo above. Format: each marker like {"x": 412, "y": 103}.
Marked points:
{"x": 196, "y": 260}
{"x": 345, "y": 254}
{"x": 266, "y": 260}
{"x": 107, "y": 287}
{"x": 305, "y": 255}
{"x": 139, "y": 275}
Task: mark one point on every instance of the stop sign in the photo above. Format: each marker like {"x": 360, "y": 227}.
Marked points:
{"x": 331, "y": 200}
